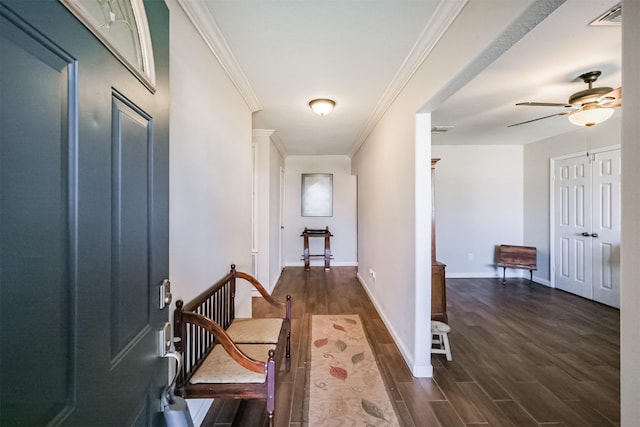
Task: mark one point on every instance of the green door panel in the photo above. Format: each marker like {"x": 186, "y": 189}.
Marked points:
{"x": 84, "y": 149}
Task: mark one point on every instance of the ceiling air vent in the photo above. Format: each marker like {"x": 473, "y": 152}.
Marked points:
{"x": 612, "y": 17}
{"x": 441, "y": 129}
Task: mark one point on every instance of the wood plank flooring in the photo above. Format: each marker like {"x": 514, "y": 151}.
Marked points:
{"x": 521, "y": 357}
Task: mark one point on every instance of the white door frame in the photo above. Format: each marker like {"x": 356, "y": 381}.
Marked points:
{"x": 255, "y": 255}
{"x": 281, "y": 220}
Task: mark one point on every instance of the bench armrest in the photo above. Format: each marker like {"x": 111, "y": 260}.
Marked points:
{"x": 223, "y": 339}
{"x": 266, "y": 295}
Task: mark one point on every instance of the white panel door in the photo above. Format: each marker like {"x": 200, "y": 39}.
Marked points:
{"x": 605, "y": 229}
{"x": 587, "y": 226}
{"x": 281, "y": 235}
{"x": 573, "y": 241}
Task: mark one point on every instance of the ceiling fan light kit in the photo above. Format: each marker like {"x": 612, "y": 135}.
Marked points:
{"x": 322, "y": 106}
{"x": 590, "y": 115}
{"x": 590, "y": 106}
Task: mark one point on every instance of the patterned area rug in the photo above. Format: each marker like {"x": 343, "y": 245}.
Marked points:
{"x": 346, "y": 388}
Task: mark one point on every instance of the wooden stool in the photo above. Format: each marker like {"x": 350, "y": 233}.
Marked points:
{"x": 327, "y": 247}
{"x": 440, "y": 339}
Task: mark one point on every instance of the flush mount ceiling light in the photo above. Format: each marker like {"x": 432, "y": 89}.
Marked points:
{"x": 590, "y": 114}
{"x": 322, "y": 106}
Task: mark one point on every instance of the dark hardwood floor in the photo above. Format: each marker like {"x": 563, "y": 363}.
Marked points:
{"x": 521, "y": 356}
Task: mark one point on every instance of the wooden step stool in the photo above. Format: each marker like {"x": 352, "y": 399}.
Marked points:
{"x": 440, "y": 339}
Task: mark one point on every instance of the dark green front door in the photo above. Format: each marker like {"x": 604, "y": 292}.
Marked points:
{"x": 83, "y": 222}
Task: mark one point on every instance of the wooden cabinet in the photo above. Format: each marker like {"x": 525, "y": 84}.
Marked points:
{"x": 438, "y": 283}
{"x": 438, "y": 292}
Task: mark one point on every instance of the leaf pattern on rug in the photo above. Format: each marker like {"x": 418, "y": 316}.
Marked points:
{"x": 372, "y": 409}
{"x": 346, "y": 388}
{"x": 321, "y": 342}
{"x": 338, "y": 372}
{"x": 357, "y": 358}
{"x": 339, "y": 407}
{"x": 321, "y": 385}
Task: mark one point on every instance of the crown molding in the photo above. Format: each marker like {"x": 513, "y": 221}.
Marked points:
{"x": 274, "y": 137}
{"x": 202, "y": 19}
{"x": 435, "y": 28}
{"x": 262, "y": 132}
{"x": 319, "y": 156}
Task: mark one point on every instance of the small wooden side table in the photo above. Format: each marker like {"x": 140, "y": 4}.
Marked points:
{"x": 327, "y": 247}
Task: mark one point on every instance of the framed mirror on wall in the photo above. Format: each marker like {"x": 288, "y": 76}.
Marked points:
{"x": 317, "y": 194}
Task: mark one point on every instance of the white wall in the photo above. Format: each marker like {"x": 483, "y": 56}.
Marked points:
{"x": 342, "y": 224}
{"x": 393, "y": 168}
{"x": 630, "y": 271}
{"x": 536, "y": 181}
{"x": 479, "y": 205}
{"x": 385, "y": 166}
{"x": 210, "y": 171}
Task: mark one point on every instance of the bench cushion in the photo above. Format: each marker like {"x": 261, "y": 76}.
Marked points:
{"x": 255, "y": 331}
{"x": 220, "y": 368}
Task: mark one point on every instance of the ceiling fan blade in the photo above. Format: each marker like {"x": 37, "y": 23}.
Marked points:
{"x": 540, "y": 118}
{"x": 611, "y": 99}
{"x": 543, "y": 104}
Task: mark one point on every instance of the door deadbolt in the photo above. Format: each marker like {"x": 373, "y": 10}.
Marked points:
{"x": 165, "y": 293}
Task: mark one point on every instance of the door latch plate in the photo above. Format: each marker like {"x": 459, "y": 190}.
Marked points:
{"x": 164, "y": 339}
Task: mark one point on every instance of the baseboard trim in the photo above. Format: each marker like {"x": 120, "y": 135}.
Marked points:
{"x": 513, "y": 275}
{"x": 198, "y": 409}
{"x": 320, "y": 263}
{"x": 422, "y": 371}
{"x": 417, "y": 370}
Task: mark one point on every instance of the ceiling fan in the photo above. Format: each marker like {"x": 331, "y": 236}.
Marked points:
{"x": 587, "y": 107}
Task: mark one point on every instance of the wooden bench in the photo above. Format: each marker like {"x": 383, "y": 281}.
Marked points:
{"x": 225, "y": 357}
{"x": 513, "y": 256}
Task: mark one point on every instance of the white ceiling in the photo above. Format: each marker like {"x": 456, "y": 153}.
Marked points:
{"x": 282, "y": 54}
